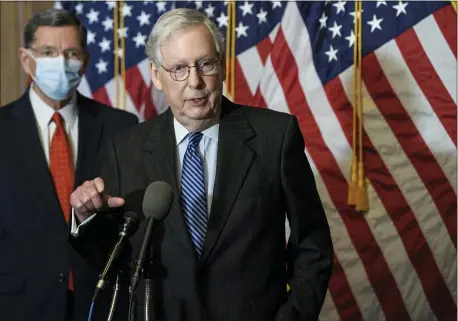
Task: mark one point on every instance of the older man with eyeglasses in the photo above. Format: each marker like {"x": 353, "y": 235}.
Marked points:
{"x": 236, "y": 172}
{"x": 50, "y": 141}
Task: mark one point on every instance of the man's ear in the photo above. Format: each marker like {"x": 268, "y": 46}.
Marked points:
{"x": 28, "y": 64}
{"x": 155, "y": 76}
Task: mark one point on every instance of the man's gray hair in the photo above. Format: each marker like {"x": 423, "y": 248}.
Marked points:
{"x": 178, "y": 20}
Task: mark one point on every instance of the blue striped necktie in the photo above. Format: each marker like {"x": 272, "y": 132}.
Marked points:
{"x": 193, "y": 195}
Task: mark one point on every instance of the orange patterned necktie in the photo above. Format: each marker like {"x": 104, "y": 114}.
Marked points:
{"x": 62, "y": 170}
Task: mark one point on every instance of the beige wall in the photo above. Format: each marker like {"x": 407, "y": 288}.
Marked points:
{"x": 13, "y": 18}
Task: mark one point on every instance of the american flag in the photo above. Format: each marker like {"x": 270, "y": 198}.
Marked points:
{"x": 396, "y": 261}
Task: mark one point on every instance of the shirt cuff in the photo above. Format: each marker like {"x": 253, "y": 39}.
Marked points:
{"x": 75, "y": 229}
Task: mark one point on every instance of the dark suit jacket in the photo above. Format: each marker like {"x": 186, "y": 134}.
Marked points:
{"x": 262, "y": 173}
{"x": 35, "y": 248}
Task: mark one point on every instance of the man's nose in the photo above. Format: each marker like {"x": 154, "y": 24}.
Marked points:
{"x": 195, "y": 78}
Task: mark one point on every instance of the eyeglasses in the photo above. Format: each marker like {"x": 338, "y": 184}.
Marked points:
{"x": 206, "y": 67}
{"x": 51, "y": 52}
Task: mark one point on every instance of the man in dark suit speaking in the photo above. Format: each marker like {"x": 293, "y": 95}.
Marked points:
{"x": 236, "y": 171}
{"x": 49, "y": 143}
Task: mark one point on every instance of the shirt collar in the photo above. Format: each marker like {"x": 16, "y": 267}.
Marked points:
{"x": 43, "y": 112}
{"x": 181, "y": 132}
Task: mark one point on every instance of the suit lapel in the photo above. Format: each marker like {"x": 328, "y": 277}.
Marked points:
{"x": 89, "y": 139}
{"x": 234, "y": 160}
{"x": 161, "y": 147}
{"x": 36, "y": 170}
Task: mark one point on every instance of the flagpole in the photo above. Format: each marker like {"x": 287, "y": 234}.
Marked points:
{"x": 123, "y": 58}
{"x": 234, "y": 14}
{"x": 361, "y": 196}
{"x": 116, "y": 61}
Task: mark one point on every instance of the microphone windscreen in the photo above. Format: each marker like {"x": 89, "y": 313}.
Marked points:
{"x": 158, "y": 200}
{"x": 133, "y": 216}
{"x": 131, "y": 223}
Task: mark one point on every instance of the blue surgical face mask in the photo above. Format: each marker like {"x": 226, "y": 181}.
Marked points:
{"x": 57, "y": 77}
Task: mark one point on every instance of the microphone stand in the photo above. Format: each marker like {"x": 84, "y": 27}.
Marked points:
{"x": 149, "y": 313}
{"x": 148, "y": 300}
{"x": 132, "y": 315}
{"x": 148, "y": 304}
{"x": 115, "y": 298}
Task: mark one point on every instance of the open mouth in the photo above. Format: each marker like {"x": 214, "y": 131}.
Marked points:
{"x": 199, "y": 101}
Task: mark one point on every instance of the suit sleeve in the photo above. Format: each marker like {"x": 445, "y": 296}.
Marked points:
{"x": 96, "y": 237}
{"x": 309, "y": 250}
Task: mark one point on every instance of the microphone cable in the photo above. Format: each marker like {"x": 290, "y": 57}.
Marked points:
{"x": 90, "y": 311}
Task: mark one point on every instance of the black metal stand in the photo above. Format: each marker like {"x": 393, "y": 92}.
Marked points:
{"x": 115, "y": 298}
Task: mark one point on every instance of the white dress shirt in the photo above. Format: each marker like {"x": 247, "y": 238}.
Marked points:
{"x": 46, "y": 128}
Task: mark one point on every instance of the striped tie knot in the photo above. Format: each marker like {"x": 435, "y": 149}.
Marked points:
{"x": 194, "y": 139}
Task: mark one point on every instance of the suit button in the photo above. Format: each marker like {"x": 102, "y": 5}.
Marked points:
{"x": 61, "y": 277}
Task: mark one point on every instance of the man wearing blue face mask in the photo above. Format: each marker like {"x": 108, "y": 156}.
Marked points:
{"x": 50, "y": 141}
{"x": 57, "y": 76}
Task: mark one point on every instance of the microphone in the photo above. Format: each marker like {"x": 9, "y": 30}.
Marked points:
{"x": 157, "y": 202}
{"x": 129, "y": 227}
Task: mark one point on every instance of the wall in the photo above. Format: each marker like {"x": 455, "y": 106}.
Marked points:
{"x": 13, "y": 17}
